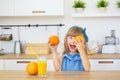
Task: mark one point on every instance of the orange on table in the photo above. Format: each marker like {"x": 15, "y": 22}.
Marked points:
{"x": 32, "y": 68}
{"x": 54, "y": 40}
{"x": 81, "y": 37}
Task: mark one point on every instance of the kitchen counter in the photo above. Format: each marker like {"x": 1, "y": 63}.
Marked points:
{"x": 49, "y": 56}
{"x": 22, "y": 56}
{"x": 104, "y": 56}
{"x": 93, "y": 75}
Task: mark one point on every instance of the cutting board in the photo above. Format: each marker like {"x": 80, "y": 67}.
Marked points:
{"x": 37, "y": 48}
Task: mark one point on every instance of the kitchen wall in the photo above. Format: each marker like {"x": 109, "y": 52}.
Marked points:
{"x": 97, "y": 27}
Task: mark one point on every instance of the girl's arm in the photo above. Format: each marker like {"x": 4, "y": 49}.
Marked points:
{"x": 57, "y": 58}
{"x": 82, "y": 48}
{"x": 85, "y": 59}
{"x": 56, "y": 61}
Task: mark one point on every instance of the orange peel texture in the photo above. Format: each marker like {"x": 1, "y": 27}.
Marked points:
{"x": 81, "y": 37}
{"x": 54, "y": 40}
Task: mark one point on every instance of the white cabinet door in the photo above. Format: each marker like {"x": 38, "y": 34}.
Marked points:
{"x": 6, "y": 7}
{"x": 50, "y": 66}
{"x": 105, "y": 64}
{"x": 39, "y": 7}
{"x": 17, "y": 64}
{"x": 1, "y": 64}
{"x": 20, "y": 64}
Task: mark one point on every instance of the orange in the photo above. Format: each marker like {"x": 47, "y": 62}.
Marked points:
{"x": 81, "y": 37}
{"x": 32, "y": 68}
{"x": 54, "y": 40}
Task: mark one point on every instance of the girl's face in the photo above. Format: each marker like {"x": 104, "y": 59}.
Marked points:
{"x": 71, "y": 44}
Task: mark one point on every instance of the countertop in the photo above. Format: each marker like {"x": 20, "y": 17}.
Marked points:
{"x": 92, "y": 75}
{"x": 49, "y": 56}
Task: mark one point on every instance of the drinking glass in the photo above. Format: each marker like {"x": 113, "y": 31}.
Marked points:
{"x": 42, "y": 66}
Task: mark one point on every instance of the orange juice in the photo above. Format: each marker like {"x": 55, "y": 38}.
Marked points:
{"x": 42, "y": 67}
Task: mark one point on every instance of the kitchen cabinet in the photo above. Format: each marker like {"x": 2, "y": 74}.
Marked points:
{"x": 1, "y": 64}
{"x": 17, "y": 64}
{"x": 105, "y": 64}
{"x": 39, "y": 7}
{"x": 50, "y": 66}
{"x": 6, "y": 7}
{"x": 20, "y": 64}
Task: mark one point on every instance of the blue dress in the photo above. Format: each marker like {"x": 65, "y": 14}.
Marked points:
{"x": 72, "y": 62}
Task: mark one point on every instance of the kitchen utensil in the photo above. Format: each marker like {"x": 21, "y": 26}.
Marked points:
{"x": 111, "y": 43}
{"x": 17, "y": 44}
{"x": 111, "y": 40}
{"x": 23, "y": 46}
{"x": 17, "y": 47}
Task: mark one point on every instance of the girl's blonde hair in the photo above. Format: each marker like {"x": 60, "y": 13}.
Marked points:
{"x": 73, "y": 31}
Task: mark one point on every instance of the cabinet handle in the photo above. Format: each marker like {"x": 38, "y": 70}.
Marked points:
{"x": 23, "y": 62}
{"x": 38, "y": 12}
{"x": 105, "y": 62}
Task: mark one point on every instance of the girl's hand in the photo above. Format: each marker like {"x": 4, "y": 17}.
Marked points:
{"x": 53, "y": 47}
{"x": 80, "y": 45}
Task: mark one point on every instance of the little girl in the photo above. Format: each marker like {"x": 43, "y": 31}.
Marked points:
{"x": 73, "y": 56}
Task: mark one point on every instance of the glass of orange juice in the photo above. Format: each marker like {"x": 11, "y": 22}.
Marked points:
{"x": 42, "y": 66}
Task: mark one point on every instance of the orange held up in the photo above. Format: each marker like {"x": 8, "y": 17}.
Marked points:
{"x": 81, "y": 37}
{"x": 54, "y": 40}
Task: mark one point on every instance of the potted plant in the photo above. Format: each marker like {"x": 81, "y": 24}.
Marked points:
{"x": 79, "y": 6}
{"x": 102, "y": 5}
{"x": 118, "y": 3}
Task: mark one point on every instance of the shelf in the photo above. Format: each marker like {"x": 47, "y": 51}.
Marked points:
{"x": 96, "y": 15}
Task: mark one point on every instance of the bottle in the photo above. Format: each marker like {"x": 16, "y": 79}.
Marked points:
{"x": 17, "y": 49}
